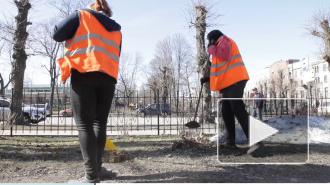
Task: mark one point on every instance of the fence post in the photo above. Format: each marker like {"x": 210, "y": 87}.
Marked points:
{"x": 11, "y": 120}
{"x": 158, "y": 109}
{"x": 137, "y": 107}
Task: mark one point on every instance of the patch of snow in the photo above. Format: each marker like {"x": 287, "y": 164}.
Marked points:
{"x": 292, "y": 129}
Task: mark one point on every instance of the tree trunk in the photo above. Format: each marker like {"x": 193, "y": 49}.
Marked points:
{"x": 19, "y": 61}
{"x": 202, "y": 60}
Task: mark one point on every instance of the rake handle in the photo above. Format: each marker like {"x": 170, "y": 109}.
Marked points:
{"x": 200, "y": 92}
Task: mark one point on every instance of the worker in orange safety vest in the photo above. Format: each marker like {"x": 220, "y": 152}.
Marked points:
{"x": 228, "y": 75}
{"x": 91, "y": 58}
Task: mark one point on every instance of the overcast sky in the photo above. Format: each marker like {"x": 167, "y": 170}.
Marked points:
{"x": 265, "y": 30}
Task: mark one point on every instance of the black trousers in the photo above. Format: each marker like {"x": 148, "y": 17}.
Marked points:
{"x": 232, "y": 108}
{"x": 91, "y": 97}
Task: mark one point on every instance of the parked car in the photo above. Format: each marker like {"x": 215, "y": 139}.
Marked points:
{"x": 30, "y": 114}
{"x": 324, "y": 108}
{"x": 4, "y": 110}
{"x": 66, "y": 113}
{"x": 154, "y": 109}
{"x": 44, "y": 107}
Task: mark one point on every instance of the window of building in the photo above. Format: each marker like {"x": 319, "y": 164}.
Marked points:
{"x": 325, "y": 79}
{"x": 324, "y": 67}
{"x": 295, "y": 74}
{"x": 302, "y": 94}
{"x": 326, "y": 92}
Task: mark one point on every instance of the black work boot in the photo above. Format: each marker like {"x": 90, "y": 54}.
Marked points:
{"x": 256, "y": 148}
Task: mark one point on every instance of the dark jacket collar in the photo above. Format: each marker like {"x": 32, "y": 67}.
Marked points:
{"x": 107, "y": 22}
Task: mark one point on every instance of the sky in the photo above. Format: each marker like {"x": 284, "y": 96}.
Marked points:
{"x": 265, "y": 31}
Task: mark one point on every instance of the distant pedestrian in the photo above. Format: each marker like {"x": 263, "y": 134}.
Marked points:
{"x": 91, "y": 57}
{"x": 258, "y": 104}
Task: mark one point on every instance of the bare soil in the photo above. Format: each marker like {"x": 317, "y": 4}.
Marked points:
{"x": 159, "y": 159}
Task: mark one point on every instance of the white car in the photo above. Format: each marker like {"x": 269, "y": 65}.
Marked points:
{"x": 31, "y": 114}
{"x": 43, "y": 107}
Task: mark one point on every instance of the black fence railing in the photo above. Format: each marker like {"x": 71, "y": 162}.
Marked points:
{"x": 145, "y": 113}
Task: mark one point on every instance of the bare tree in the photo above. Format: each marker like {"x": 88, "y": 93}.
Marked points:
{"x": 280, "y": 87}
{"x": 66, "y": 7}
{"x": 181, "y": 60}
{"x": 319, "y": 27}
{"x": 46, "y": 47}
{"x": 172, "y": 59}
{"x": 2, "y": 85}
{"x": 19, "y": 60}
{"x": 202, "y": 15}
{"x": 130, "y": 67}
{"x": 162, "y": 69}
{"x": 5, "y": 43}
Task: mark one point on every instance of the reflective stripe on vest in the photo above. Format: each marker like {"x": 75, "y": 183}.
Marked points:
{"x": 227, "y": 68}
{"x": 225, "y": 73}
{"x": 90, "y": 49}
{"x": 93, "y": 48}
{"x": 92, "y": 36}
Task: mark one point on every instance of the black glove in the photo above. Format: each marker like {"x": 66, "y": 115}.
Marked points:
{"x": 205, "y": 80}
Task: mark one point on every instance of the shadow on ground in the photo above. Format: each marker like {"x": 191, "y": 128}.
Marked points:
{"x": 241, "y": 174}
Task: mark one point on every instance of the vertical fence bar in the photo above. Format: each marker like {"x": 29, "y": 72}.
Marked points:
{"x": 117, "y": 106}
{"x": 58, "y": 129}
{"x": 136, "y": 107}
{"x": 144, "y": 105}
{"x": 183, "y": 107}
{"x": 170, "y": 111}
{"x": 30, "y": 105}
{"x": 37, "y": 101}
{"x": 151, "y": 125}
{"x": 45, "y": 116}
{"x": 11, "y": 120}
{"x": 158, "y": 109}
{"x": 202, "y": 115}
{"x": 23, "y": 113}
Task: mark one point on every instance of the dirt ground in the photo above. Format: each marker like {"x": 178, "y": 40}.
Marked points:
{"x": 159, "y": 160}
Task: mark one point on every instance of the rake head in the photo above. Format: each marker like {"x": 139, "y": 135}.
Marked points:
{"x": 192, "y": 124}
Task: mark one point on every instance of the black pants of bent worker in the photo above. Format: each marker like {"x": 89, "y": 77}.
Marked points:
{"x": 232, "y": 108}
{"x": 91, "y": 97}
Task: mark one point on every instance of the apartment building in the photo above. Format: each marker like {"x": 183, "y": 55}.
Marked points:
{"x": 292, "y": 78}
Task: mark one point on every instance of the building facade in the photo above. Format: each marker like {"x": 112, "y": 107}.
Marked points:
{"x": 41, "y": 94}
{"x": 292, "y": 78}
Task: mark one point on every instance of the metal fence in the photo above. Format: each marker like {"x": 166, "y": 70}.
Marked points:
{"x": 126, "y": 117}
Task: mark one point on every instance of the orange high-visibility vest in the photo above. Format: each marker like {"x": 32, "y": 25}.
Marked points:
{"x": 225, "y": 73}
{"x": 93, "y": 48}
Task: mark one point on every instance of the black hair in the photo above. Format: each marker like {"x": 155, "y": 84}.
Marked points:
{"x": 215, "y": 35}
